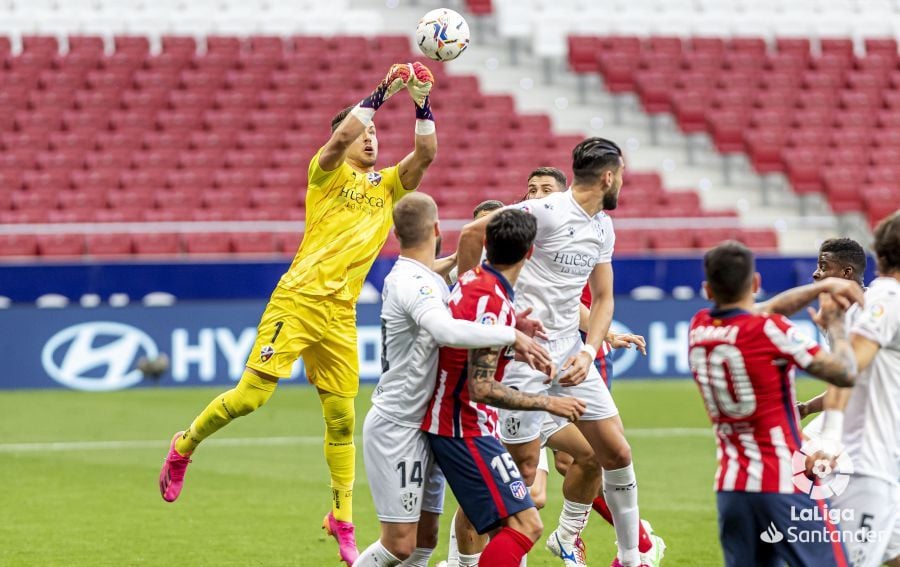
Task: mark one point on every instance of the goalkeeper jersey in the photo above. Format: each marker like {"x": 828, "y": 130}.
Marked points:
{"x": 348, "y": 216}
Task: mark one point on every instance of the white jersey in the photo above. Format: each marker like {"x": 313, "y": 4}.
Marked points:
{"x": 872, "y": 416}
{"x": 409, "y": 352}
{"x": 568, "y": 245}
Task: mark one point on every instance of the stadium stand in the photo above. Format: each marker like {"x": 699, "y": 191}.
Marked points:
{"x": 143, "y": 119}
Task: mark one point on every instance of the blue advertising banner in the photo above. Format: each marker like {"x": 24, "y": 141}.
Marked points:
{"x": 208, "y": 343}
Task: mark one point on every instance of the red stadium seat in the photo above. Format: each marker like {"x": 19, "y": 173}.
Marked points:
{"x": 206, "y": 243}
{"x": 18, "y": 245}
{"x": 61, "y": 245}
{"x": 106, "y": 245}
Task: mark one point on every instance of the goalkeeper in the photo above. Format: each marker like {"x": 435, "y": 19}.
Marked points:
{"x": 312, "y": 312}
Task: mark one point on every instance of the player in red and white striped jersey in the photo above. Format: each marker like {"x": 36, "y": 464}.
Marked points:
{"x": 461, "y": 420}
{"x": 743, "y": 363}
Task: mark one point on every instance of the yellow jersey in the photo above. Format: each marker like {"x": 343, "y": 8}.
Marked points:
{"x": 348, "y": 216}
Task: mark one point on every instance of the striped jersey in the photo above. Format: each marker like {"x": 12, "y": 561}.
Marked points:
{"x": 744, "y": 364}
{"x": 485, "y": 296}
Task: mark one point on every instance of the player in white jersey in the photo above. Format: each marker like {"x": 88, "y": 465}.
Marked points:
{"x": 866, "y": 417}
{"x": 404, "y": 481}
{"x": 838, "y": 258}
{"x": 574, "y": 246}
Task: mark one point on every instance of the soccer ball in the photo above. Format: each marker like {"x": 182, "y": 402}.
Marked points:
{"x": 442, "y": 34}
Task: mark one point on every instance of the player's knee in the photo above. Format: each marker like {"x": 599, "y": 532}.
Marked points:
{"x": 528, "y": 522}
{"x": 617, "y": 458}
{"x": 528, "y": 470}
{"x": 249, "y": 395}
{"x": 340, "y": 416}
{"x": 401, "y": 548}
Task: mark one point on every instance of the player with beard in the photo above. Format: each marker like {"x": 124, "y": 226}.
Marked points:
{"x": 574, "y": 246}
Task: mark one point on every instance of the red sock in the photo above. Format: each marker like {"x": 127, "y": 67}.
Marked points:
{"x": 506, "y": 549}
{"x": 644, "y": 543}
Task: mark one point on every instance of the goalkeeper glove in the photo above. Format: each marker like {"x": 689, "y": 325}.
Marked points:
{"x": 395, "y": 80}
{"x": 420, "y": 82}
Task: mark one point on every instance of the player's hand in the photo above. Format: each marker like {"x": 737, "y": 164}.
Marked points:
{"x": 395, "y": 80}
{"x": 802, "y": 409}
{"x": 569, "y": 408}
{"x": 419, "y": 83}
{"x": 625, "y": 340}
{"x": 528, "y": 351}
{"x": 844, "y": 292}
{"x": 829, "y": 311}
{"x": 575, "y": 369}
{"x": 529, "y": 326}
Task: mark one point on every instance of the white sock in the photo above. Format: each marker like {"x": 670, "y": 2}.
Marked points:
{"x": 620, "y": 490}
{"x": 572, "y": 519}
{"x": 419, "y": 558}
{"x": 468, "y": 560}
{"x": 452, "y": 547}
{"x": 376, "y": 556}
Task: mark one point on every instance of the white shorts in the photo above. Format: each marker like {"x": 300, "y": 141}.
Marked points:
{"x": 893, "y": 547}
{"x": 874, "y": 505}
{"x": 403, "y": 477}
{"x": 519, "y": 426}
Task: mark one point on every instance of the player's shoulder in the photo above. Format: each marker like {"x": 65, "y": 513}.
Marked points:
{"x": 412, "y": 275}
{"x": 883, "y": 290}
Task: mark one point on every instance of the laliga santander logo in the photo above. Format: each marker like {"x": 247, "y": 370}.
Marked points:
{"x": 831, "y": 475}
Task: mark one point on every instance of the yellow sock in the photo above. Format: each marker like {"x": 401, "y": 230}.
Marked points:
{"x": 249, "y": 394}
{"x": 340, "y": 453}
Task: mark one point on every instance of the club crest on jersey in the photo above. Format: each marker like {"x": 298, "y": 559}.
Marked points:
{"x": 488, "y": 319}
{"x": 511, "y": 426}
{"x": 374, "y": 178}
{"x": 571, "y": 231}
{"x": 266, "y": 352}
{"x": 518, "y": 489}
{"x": 409, "y": 501}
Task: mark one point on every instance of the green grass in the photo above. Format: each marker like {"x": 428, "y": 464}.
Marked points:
{"x": 262, "y": 504}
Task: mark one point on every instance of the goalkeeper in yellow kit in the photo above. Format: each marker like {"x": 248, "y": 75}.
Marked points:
{"x": 312, "y": 312}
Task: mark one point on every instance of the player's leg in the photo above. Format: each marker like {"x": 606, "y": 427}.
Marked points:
{"x": 580, "y": 486}
{"x": 487, "y": 485}
{"x": 469, "y": 543}
{"x": 538, "y": 488}
{"x": 285, "y": 329}
{"x": 426, "y": 540}
{"x": 332, "y": 365}
{"x": 514, "y": 540}
{"x": 874, "y": 514}
{"x": 739, "y": 531}
{"x": 403, "y": 480}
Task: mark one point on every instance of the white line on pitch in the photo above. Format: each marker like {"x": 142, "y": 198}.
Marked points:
{"x": 274, "y": 441}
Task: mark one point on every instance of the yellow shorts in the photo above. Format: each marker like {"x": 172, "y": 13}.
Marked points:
{"x": 320, "y": 329}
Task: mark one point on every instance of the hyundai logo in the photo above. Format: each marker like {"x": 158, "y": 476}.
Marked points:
{"x": 98, "y": 356}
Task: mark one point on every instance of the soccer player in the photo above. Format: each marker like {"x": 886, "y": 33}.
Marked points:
{"x": 838, "y": 258}
{"x": 448, "y": 265}
{"x": 461, "y": 421}
{"x": 866, "y": 417}
{"x": 574, "y": 247}
{"x": 415, "y": 320}
{"x": 743, "y": 364}
{"x": 312, "y": 311}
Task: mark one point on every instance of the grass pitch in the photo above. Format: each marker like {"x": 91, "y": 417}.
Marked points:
{"x": 80, "y": 472}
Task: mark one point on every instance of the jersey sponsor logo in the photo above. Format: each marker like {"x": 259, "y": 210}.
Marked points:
{"x": 518, "y": 489}
{"x": 97, "y": 356}
{"x": 359, "y": 198}
{"x": 374, "y": 178}
{"x": 831, "y": 476}
{"x": 266, "y": 352}
{"x": 488, "y": 319}
{"x": 575, "y": 263}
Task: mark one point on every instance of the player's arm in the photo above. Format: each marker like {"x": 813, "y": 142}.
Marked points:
{"x": 575, "y": 369}
{"x": 811, "y": 406}
{"x": 483, "y": 388}
{"x": 443, "y": 266}
{"x": 412, "y": 168}
{"x": 360, "y": 118}
{"x": 837, "y": 367}
{"x": 846, "y": 292}
{"x": 471, "y": 243}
